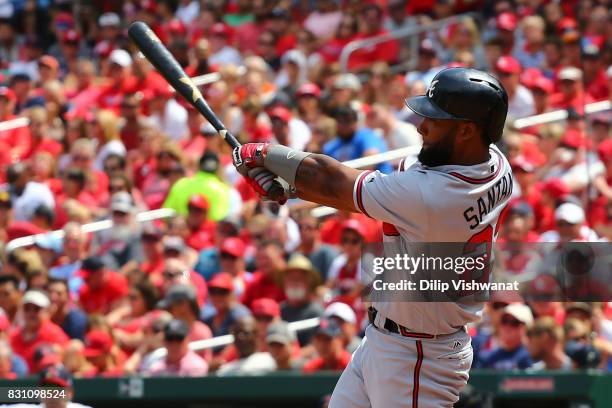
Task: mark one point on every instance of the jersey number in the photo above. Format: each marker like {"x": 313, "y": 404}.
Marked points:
{"x": 479, "y": 245}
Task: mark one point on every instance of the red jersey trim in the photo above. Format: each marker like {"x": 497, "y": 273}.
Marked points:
{"x": 417, "y": 372}
{"x": 479, "y": 180}
{"x": 359, "y": 193}
{"x": 390, "y": 230}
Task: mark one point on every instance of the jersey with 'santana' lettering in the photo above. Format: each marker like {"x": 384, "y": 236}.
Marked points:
{"x": 420, "y": 204}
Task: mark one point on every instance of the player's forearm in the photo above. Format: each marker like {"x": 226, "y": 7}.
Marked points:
{"x": 326, "y": 181}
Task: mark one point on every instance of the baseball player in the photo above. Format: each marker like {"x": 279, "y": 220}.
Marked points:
{"x": 414, "y": 354}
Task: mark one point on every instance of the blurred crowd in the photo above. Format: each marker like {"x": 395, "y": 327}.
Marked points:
{"x": 89, "y": 131}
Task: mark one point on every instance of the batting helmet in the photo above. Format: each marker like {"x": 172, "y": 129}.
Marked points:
{"x": 465, "y": 94}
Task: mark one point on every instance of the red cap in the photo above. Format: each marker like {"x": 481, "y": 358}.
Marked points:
{"x": 354, "y": 225}
{"x": 4, "y": 322}
{"x": 8, "y": 93}
{"x": 508, "y": 65}
{"x": 71, "y": 36}
{"x": 265, "y": 307}
{"x": 176, "y": 26}
{"x": 605, "y": 150}
{"x": 308, "y": 89}
{"x": 521, "y": 163}
{"x": 64, "y": 21}
{"x": 574, "y": 138}
{"x": 103, "y": 49}
{"x": 566, "y": 24}
{"x": 506, "y": 21}
{"x": 281, "y": 113}
{"x": 543, "y": 84}
{"x": 199, "y": 201}
{"x": 233, "y": 246}
{"x": 97, "y": 343}
{"x": 49, "y": 61}
{"x": 222, "y": 280}
{"x": 220, "y": 29}
{"x": 529, "y": 76}
{"x": 148, "y": 5}
{"x": 556, "y": 188}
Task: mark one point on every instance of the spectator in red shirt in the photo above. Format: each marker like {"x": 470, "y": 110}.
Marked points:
{"x": 176, "y": 270}
{"x": 37, "y": 328}
{"x": 103, "y": 290}
{"x": 99, "y": 352}
{"x": 595, "y": 81}
{"x": 345, "y": 33}
{"x": 121, "y": 81}
{"x": 40, "y": 141}
{"x": 202, "y": 230}
{"x": 16, "y": 140}
{"x": 247, "y": 34}
{"x": 330, "y": 348}
{"x": 387, "y": 51}
{"x": 270, "y": 262}
{"x": 153, "y": 252}
{"x": 82, "y": 154}
{"x": 571, "y": 93}
{"x": 280, "y": 25}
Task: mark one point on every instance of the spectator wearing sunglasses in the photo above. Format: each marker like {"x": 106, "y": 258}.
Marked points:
{"x": 512, "y": 352}
{"x": 344, "y": 276}
{"x": 227, "y": 310}
{"x": 520, "y": 99}
{"x": 179, "y": 361}
{"x": 545, "y": 345}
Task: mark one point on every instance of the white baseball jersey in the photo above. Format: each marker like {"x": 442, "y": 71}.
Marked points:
{"x": 423, "y": 204}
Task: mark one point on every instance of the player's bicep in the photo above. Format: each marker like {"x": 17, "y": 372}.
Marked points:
{"x": 394, "y": 198}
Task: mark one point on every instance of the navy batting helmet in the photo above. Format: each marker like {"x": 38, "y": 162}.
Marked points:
{"x": 465, "y": 94}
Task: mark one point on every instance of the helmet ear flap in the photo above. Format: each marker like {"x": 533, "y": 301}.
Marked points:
{"x": 495, "y": 127}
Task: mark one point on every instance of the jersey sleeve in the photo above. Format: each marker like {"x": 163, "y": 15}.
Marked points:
{"x": 396, "y": 198}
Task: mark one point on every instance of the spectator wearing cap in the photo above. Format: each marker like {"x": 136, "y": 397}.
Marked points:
{"x": 512, "y": 352}
{"x": 69, "y": 48}
{"x": 101, "y": 352}
{"x": 121, "y": 243}
{"x": 344, "y": 273}
{"x": 121, "y": 81}
{"x": 266, "y": 312}
{"x": 81, "y": 155}
{"x": 595, "y": 80}
{"x": 37, "y": 328}
{"x": 346, "y": 318}
{"x": 428, "y": 64}
{"x": 152, "y": 251}
{"x": 201, "y": 228}
{"x": 329, "y": 346}
{"x": 541, "y": 89}
{"x": 320, "y": 255}
{"x": 63, "y": 312}
{"x": 40, "y": 141}
{"x": 293, "y": 73}
{"x": 221, "y": 52}
{"x": 308, "y": 105}
{"x": 270, "y": 262}
{"x": 187, "y": 11}
{"x": 545, "y": 345}
{"x": 160, "y": 179}
{"x": 300, "y": 281}
{"x": 56, "y": 375}
{"x": 506, "y": 24}
{"x": 281, "y": 346}
{"x": 204, "y": 181}
{"x": 529, "y": 51}
{"x": 231, "y": 254}
{"x": 208, "y": 262}
{"x": 520, "y": 100}
{"x": 571, "y": 90}
{"x": 179, "y": 361}
{"x": 181, "y": 300}
{"x": 131, "y": 113}
{"x": 74, "y": 188}
{"x": 345, "y": 89}
{"x": 48, "y": 69}
{"x": 16, "y": 141}
{"x": 110, "y": 28}
{"x": 281, "y": 25}
{"x": 74, "y": 250}
{"x": 288, "y": 130}
{"x": 103, "y": 290}
{"x": 569, "y": 220}
{"x": 354, "y": 141}
{"x": 249, "y": 361}
{"x": 227, "y": 310}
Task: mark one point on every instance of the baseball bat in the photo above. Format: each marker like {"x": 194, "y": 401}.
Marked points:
{"x": 152, "y": 48}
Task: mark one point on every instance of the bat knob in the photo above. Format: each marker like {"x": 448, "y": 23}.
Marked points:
{"x": 278, "y": 192}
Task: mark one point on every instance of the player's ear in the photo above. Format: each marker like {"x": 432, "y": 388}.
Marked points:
{"x": 468, "y": 130}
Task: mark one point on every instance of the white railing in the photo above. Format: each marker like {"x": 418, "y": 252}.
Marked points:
{"x": 200, "y": 345}
{"x": 559, "y": 115}
{"x": 413, "y": 31}
{"x": 91, "y": 227}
